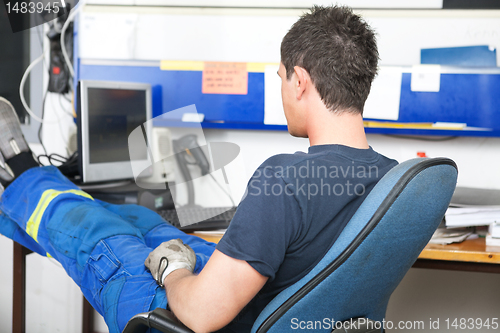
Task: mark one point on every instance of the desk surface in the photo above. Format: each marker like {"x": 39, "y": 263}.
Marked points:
{"x": 214, "y": 238}
{"x": 473, "y": 251}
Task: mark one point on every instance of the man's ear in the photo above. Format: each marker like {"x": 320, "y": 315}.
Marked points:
{"x": 303, "y": 79}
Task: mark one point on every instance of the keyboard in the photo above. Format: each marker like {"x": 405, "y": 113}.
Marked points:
{"x": 199, "y": 218}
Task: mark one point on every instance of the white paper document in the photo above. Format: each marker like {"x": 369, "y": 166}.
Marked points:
{"x": 448, "y": 236}
{"x": 273, "y": 105}
{"x": 383, "y": 101}
{"x": 107, "y": 35}
{"x": 426, "y": 78}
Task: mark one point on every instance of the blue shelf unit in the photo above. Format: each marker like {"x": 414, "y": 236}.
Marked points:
{"x": 466, "y": 95}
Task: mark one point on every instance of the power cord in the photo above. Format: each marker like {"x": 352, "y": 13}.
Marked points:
{"x": 41, "y": 124}
{"x": 211, "y": 176}
{"x": 223, "y": 190}
{"x": 70, "y": 19}
{"x": 52, "y": 157}
{"x": 23, "y": 82}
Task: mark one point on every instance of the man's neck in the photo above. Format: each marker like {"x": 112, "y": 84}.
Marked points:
{"x": 330, "y": 128}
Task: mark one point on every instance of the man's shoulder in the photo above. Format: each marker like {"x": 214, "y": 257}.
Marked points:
{"x": 317, "y": 162}
{"x": 330, "y": 155}
{"x": 281, "y": 160}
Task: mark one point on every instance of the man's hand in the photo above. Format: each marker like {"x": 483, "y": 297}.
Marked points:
{"x": 210, "y": 300}
{"x": 168, "y": 257}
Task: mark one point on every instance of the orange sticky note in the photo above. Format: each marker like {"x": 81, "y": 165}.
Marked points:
{"x": 229, "y": 78}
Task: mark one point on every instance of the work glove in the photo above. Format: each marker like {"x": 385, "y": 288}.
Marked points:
{"x": 168, "y": 257}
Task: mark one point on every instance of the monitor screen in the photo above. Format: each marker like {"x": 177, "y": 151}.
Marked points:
{"x": 108, "y": 113}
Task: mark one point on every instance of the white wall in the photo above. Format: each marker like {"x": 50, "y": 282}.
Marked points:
{"x": 277, "y": 3}
{"x": 254, "y": 35}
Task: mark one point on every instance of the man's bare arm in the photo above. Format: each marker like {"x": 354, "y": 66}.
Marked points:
{"x": 210, "y": 300}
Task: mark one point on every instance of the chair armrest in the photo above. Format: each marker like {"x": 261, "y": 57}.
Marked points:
{"x": 160, "y": 319}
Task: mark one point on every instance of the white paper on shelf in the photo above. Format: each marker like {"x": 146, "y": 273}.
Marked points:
{"x": 426, "y": 78}
{"x": 385, "y": 94}
{"x": 273, "y": 105}
{"x": 107, "y": 35}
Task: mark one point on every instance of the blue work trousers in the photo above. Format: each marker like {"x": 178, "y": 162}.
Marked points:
{"x": 101, "y": 246}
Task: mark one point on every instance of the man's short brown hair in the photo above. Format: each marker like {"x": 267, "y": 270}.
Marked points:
{"x": 339, "y": 51}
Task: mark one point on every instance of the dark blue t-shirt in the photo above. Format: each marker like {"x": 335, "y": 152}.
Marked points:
{"x": 295, "y": 207}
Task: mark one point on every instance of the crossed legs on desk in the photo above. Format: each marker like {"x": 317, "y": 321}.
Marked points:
{"x": 102, "y": 247}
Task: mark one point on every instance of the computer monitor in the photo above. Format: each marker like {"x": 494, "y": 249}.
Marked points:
{"x": 107, "y": 113}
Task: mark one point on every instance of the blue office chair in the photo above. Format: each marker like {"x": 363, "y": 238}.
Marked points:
{"x": 355, "y": 279}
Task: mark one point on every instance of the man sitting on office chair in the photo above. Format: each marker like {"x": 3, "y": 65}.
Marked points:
{"x": 295, "y": 207}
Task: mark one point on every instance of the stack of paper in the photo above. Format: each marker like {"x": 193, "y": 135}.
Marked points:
{"x": 471, "y": 207}
{"x": 448, "y": 236}
{"x": 467, "y": 216}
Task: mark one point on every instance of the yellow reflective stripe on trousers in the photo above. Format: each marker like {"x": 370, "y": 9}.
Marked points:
{"x": 46, "y": 198}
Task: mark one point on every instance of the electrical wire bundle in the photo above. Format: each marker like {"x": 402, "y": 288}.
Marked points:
{"x": 68, "y": 164}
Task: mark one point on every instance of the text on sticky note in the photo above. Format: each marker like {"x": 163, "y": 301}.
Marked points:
{"x": 225, "y": 78}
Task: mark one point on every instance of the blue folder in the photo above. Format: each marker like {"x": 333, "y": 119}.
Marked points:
{"x": 469, "y": 56}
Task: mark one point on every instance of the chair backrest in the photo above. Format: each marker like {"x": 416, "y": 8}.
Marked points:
{"x": 373, "y": 253}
